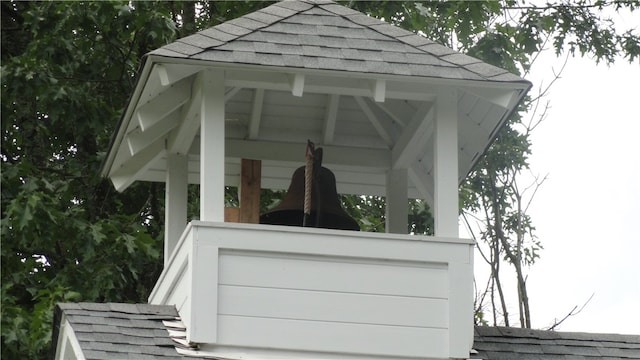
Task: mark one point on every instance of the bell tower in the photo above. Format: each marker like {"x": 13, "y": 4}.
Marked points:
{"x": 396, "y": 114}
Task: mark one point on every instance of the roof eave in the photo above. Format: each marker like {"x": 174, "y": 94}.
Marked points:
{"x": 118, "y": 134}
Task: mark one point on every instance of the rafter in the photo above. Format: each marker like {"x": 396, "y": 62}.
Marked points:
{"x": 297, "y": 84}
{"x": 379, "y": 90}
{"x": 137, "y": 139}
{"x": 382, "y": 130}
{"x": 229, "y": 94}
{"x": 128, "y": 171}
{"x": 164, "y": 103}
{"x": 504, "y": 98}
{"x": 181, "y": 138}
{"x": 330, "y": 117}
{"x": 256, "y": 113}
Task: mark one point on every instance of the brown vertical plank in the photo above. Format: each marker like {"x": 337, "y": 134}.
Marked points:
{"x": 249, "y": 191}
{"x": 231, "y": 214}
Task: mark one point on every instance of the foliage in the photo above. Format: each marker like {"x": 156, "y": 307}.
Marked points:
{"x": 68, "y": 69}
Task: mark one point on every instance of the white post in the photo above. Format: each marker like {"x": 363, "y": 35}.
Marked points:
{"x": 397, "y": 197}
{"x": 212, "y": 146}
{"x": 446, "y": 164}
{"x": 175, "y": 213}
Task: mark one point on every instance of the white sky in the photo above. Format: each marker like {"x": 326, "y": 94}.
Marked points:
{"x": 586, "y": 213}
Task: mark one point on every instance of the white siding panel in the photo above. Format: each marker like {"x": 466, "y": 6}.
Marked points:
{"x": 332, "y": 306}
{"x": 334, "y": 274}
{"x": 180, "y": 293}
{"x": 394, "y": 341}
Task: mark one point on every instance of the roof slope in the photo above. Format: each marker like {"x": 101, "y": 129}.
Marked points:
{"x": 139, "y": 331}
{"x": 120, "y": 331}
{"x": 498, "y": 343}
{"x": 323, "y": 35}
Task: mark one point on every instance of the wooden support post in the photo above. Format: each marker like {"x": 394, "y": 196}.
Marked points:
{"x": 446, "y": 164}
{"x": 249, "y": 191}
{"x": 212, "y": 139}
{"x": 175, "y": 213}
{"x": 397, "y": 197}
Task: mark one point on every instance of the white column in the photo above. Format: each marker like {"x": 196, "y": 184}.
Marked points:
{"x": 175, "y": 213}
{"x": 397, "y": 196}
{"x": 212, "y": 146}
{"x": 446, "y": 164}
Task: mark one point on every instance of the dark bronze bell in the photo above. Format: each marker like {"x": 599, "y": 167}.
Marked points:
{"x": 326, "y": 210}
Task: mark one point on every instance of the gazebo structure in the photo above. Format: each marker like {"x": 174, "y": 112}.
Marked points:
{"x": 397, "y": 115}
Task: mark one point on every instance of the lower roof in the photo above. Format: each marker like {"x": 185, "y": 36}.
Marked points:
{"x": 142, "y": 331}
{"x": 497, "y": 343}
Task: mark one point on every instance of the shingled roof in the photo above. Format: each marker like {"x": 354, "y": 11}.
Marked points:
{"x": 319, "y": 34}
{"x": 141, "y": 331}
{"x": 121, "y": 331}
{"x": 501, "y": 343}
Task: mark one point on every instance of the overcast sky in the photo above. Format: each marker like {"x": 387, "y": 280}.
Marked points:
{"x": 587, "y": 213}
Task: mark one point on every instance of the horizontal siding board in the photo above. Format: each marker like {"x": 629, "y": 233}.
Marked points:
{"x": 393, "y": 341}
{"x": 332, "y": 306}
{"x": 337, "y": 274}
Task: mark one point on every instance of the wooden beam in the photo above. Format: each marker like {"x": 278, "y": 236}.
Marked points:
{"x": 379, "y": 90}
{"x": 446, "y": 164}
{"x": 231, "y": 214}
{"x": 381, "y": 129}
{"x": 212, "y": 146}
{"x": 400, "y": 111}
{"x": 249, "y": 191}
{"x": 176, "y": 197}
{"x": 231, "y": 93}
{"x": 163, "y": 74}
{"x": 128, "y": 171}
{"x": 397, "y": 198}
{"x": 337, "y": 83}
{"x": 256, "y": 113}
{"x": 182, "y": 137}
{"x": 168, "y": 100}
{"x": 406, "y": 148}
{"x": 330, "y": 117}
{"x": 297, "y": 85}
{"x": 504, "y": 98}
{"x": 292, "y": 152}
{"x": 423, "y": 182}
{"x": 137, "y": 139}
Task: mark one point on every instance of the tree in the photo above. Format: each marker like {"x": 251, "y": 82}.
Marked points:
{"x": 67, "y": 72}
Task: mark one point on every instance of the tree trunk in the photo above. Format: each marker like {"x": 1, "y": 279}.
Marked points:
{"x": 188, "y": 18}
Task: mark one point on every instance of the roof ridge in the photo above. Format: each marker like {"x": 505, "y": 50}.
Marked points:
{"x": 286, "y": 10}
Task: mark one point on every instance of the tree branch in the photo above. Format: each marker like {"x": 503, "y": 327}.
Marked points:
{"x": 573, "y": 312}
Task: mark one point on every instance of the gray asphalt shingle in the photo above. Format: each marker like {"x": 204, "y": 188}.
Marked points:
{"x": 497, "y": 343}
{"x": 121, "y": 331}
{"x": 324, "y": 35}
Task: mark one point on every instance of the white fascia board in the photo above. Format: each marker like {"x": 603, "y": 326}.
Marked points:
{"x": 126, "y": 118}
{"x": 279, "y": 78}
{"x": 68, "y": 347}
